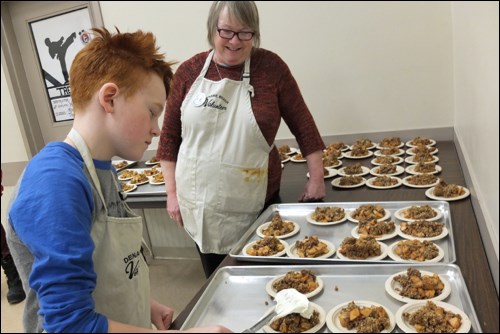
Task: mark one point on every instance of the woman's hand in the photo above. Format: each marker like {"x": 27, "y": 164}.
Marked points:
{"x": 173, "y": 209}
{"x": 315, "y": 187}
{"x": 314, "y": 191}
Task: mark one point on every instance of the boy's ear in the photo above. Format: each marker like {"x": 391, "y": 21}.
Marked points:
{"x": 107, "y": 94}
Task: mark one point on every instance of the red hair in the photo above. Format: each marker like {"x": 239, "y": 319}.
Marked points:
{"x": 126, "y": 59}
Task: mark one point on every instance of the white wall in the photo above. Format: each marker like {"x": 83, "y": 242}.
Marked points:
{"x": 362, "y": 67}
{"x": 12, "y": 141}
{"x": 475, "y": 49}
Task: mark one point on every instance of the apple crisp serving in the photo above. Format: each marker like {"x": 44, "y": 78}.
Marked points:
{"x": 386, "y": 159}
{"x": 419, "y": 149}
{"x": 295, "y": 323}
{"x": 366, "y": 143}
{"x": 422, "y": 228}
{"x": 423, "y": 157}
{"x": 416, "y": 250}
{"x": 419, "y": 212}
{"x": 444, "y": 189}
{"x": 304, "y": 281}
{"x": 414, "y": 285}
{"x": 420, "y": 141}
{"x": 328, "y": 214}
{"x": 390, "y": 142}
{"x": 278, "y": 227}
{"x": 428, "y": 167}
{"x": 285, "y": 149}
{"x": 120, "y": 164}
{"x": 375, "y": 228}
{"x": 422, "y": 179}
{"x": 350, "y": 180}
{"x": 386, "y": 169}
{"x": 368, "y": 211}
{"x": 433, "y": 319}
{"x": 359, "y": 151}
{"x": 311, "y": 247}
{"x": 139, "y": 178}
{"x": 385, "y": 181}
{"x": 266, "y": 247}
{"x": 353, "y": 169}
{"x": 390, "y": 151}
{"x": 361, "y": 248}
{"x": 365, "y": 319}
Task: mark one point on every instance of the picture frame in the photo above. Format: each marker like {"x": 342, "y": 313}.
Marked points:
{"x": 57, "y": 40}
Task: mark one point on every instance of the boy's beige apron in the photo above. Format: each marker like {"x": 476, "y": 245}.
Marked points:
{"x": 221, "y": 171}
{"x": 122, "y": 291}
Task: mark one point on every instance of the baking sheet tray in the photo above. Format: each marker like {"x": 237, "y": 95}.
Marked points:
{"x": 237, "y": 297}
{"x": 146, "y": 189}
{"x": 297, "y": 212}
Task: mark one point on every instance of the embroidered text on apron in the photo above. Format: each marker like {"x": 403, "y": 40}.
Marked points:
{"x": 122, "y": 292}
{"x": 221, "y": 171}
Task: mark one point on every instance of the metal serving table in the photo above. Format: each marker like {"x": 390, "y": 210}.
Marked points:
{"x": 469, "y": 247}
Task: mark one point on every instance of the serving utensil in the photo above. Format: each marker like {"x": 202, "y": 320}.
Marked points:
{"x": 287, "y": 301}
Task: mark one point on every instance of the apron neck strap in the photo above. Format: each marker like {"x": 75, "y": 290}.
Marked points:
{"x": 246, "y": 69}
{"x": 82, "y": 147}
{"x": 246, "y": 72}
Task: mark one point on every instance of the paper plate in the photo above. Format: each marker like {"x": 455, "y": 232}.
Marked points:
{"x": 296, "y": 229}
{"x": 430, "y": 193}
{"x": 396, "y": 257}
{"x": 413, "y": 307}
{"x": 315, "y": 329}
{"x": 333, "y": 323}
{"x": 392, "y": 287}
{"x": 272, "y": 291}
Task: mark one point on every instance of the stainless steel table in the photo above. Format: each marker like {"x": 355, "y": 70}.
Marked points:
{"x": 470, "y": 253}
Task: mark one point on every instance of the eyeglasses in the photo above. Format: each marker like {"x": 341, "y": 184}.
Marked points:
{"x": 229, "y": 34}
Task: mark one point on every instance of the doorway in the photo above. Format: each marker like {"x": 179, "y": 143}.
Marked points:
{"x": 32, "y": 87}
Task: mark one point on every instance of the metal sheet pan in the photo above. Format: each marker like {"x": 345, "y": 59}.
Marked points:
{"x": 336, "y": 233}
{"x": 236, "y": 297}
{"x": 146, "y": 189}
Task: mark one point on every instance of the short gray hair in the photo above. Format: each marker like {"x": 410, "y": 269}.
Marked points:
{"x": 244, "y": 11}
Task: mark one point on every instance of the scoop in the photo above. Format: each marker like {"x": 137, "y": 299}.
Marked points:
{"x": 287, "y": 301}
{"x": 291, "y": 301}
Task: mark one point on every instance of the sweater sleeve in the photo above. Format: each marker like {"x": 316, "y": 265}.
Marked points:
{"x": 52, "y": 216}
{"x": 296, "y": 114}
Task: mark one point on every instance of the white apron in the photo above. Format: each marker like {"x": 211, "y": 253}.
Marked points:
{"x": 122, "y": 292}
{"x": 221, "y": 171}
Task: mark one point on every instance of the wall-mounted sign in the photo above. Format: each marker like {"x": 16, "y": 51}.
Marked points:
{"x": 58, "y": 39}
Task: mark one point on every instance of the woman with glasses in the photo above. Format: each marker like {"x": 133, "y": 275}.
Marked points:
{"x": 216, "y": 146}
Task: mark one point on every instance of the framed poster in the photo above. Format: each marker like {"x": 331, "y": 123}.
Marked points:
{"x": 58, "y": 39}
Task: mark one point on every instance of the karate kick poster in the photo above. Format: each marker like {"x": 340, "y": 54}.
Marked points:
{"x": 58, "y": 39}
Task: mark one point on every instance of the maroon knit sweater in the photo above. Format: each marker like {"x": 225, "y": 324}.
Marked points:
{"x": 277, "y": 96}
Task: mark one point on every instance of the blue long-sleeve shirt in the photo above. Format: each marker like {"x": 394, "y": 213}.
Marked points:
{"x": 52, "y": 217}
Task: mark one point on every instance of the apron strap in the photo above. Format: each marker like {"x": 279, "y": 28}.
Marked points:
{"x": 246, "y": 71}
{"x": 246, "y": 77}
{"x": 82, "y": 147}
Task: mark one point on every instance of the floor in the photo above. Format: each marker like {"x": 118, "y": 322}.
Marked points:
{"x": 173, "y": 283}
